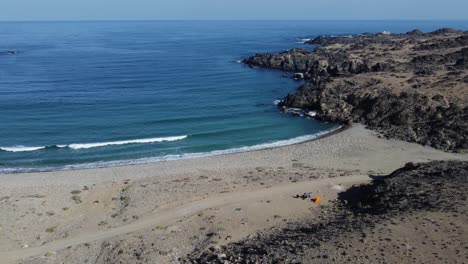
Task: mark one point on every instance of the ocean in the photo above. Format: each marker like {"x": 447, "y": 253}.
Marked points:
{"x": 95, "y": 94}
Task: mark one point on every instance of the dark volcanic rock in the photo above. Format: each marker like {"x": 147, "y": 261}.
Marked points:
{"x": 8, "y": 52}
{"x": 415, "y": 32}
{"x": 438, "y": 186}
{"x": 446, "y": 31}
{"x": 433, "y": 186}
{"x": 327, "y": 40}
{"x": 462, "y": 59}
{"x": 296, "y": 60}
{"x": 388, "y": 82}
{"x": 410, "y": 117}
{"x": 444, "y": 43}
{"x": 311, "y": 64}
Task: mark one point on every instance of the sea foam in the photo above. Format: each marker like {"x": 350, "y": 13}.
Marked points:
{"x": 21, "y": 148}
{"x": 115, "y": 163}
{"x": 302, "y": 40}
{"x": 125, "y": 142}
{"x": 94, "y": 145}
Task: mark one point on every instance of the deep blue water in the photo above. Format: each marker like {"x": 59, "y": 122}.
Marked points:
{"x": 85, "y": 94}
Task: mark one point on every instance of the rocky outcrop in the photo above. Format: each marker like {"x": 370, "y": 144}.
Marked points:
{"x": 444, "y": 43}
{"x": 408, "y": 86}
{"x": 462, "y": 59}
{"x": 8, "y": 52}
{"x": 438, "y": 187}
{"x": 411, "y": 117}
{"x": 434, "y": 186}
{"x": 415, "y": 32}
{"x": 443, "y": 31}
{"x": 312, "y": 64}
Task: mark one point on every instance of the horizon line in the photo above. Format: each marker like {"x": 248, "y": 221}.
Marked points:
{"x": 233, "y": 20}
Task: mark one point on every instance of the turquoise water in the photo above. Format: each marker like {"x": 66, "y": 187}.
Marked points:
{"x": 89, "y": 94}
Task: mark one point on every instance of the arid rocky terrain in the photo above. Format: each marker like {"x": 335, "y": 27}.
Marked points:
{"x": 417, "y": 214}
{"x": 411, "y": 86}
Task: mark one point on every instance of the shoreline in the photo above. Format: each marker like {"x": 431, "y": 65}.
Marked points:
{"x": 233, "y": 196}
{"x": 142, "y": 161}
{"x": 233, "y": 161}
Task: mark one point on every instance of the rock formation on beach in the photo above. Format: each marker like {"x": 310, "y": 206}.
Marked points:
{"x": 411, "y": 197}
{"x": 411, "y": 86}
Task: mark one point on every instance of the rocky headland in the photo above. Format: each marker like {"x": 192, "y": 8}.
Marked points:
{"x": 412, "y": 86}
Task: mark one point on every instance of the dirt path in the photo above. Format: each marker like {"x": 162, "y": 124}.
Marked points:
{"x": 322, "y": 186}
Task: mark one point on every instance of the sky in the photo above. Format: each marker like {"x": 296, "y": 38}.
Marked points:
{"x": 19, "y": 10}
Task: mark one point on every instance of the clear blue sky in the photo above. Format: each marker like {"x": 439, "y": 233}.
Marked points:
{"x": 231, "y": 9}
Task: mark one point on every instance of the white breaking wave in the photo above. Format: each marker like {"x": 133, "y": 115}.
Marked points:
{"x": 95, "y": 145}
{"x": 21, "y": 148}
{"x": 125, "y": 142}
{"x": 304, "y": 40}
{"x": 93, "y": 165}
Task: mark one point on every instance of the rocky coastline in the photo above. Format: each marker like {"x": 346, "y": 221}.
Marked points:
{"x": 411, "y": 86}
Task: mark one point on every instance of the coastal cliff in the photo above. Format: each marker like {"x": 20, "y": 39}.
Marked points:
{"x": 412, "y": 86}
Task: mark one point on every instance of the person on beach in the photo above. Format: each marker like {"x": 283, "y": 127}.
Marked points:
{"x": 304, "y": 196}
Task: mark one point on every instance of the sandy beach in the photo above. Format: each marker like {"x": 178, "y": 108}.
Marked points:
{"x": 163, "y": 211}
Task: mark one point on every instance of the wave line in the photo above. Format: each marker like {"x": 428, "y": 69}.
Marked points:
{"x": 94, "y": 145}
